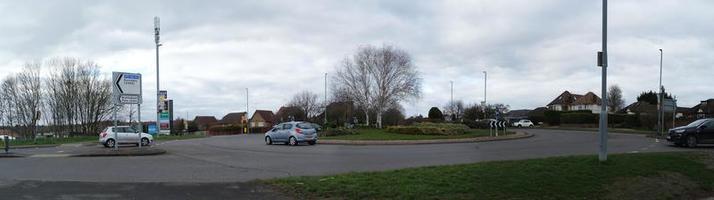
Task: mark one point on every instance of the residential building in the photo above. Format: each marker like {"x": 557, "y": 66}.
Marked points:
{"x": 262, "y": 120}
{"x": 205, "y": 122}
{"x": 234, "y": 118}
{"x": 289, "y": 113}
{"x": 567, "y": 101}
{"x": 704, "y": 109}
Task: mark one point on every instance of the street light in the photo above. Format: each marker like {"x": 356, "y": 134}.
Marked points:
{"x": 660, "y": 98}
{"x": 485, "y": 77}
{"x": 602, "y": 155}
{"x": 325, "y": 100}
{"x": 158, "y": 94}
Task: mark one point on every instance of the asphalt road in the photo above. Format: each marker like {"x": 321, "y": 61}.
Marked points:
{"x": 241, "y": 158}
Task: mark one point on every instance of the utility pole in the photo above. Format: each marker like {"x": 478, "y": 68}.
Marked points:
{"x": 485, "y": 77}
{"x": 602, "y": 155}
{"x": 325, "y": 99}
{"x": 452, "y": 91}
{"x": 660, "y": 97}
{"x": 247, "y": 111}
{"x": 158, "y": 94}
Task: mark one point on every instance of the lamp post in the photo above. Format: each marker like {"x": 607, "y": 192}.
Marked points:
{"x": 247, "y": 130}
{"x": 158, "y": 94}
{"x": 325, "y": 100}
{"x": 660, "y": 97}
{"x": 602, "y": 155}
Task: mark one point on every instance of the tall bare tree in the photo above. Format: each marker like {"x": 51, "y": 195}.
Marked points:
{"x": 614, "y": 97}
{"x": 29, "y": 97}
{"x": 9, "y": 98}
{"x": 376, "y": 78}
{"x": 307, "y": 102}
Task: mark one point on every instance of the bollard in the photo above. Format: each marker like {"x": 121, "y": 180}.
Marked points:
{"x": 7, "y": 144}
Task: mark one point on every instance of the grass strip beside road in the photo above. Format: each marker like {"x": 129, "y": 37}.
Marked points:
{"x": 49, "y": 141}
{"x": 686, "y": 175}
{"x": 613, "y": 130}
{"x": 382, "y": 134}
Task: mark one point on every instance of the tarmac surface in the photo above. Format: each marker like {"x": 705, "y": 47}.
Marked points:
{"x": 238, "y": 159}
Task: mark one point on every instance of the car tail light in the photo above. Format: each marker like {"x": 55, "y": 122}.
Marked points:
{"x": 104, "y": 134}
{"x": 298, "y": 130}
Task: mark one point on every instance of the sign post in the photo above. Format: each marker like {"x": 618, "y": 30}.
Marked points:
{"x": 126, "y": 89}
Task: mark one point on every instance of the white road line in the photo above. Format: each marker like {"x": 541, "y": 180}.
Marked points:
{"x": 49, "y": 155}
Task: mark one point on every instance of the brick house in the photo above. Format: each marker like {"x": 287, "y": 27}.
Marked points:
{"x": 704, "y": 109}
{"x": 262, "y": 121}
{"x": 567, "y": 101}
{"x": 204, "y": 122}
{"x": 235, "y": 118}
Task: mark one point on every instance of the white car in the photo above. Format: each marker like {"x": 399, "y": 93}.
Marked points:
{"x": 125, "y": 135}
{"x": 523, "y": 123}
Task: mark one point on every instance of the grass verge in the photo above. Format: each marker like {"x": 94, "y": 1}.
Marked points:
{"x": 382, "y": 134}
{"x": 46, "y": 141}
{"x": 623, "y": 176}
{"x": 614, "y": 130}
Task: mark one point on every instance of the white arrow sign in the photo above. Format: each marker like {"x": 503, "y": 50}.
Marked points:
{"x": 126, "y": 87}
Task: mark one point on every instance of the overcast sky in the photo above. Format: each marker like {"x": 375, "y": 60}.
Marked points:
{"x": 213, "y": 50}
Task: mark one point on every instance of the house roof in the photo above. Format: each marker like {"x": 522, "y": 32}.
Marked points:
{"x": 233, "y": 118}
{"x": 587, "y": 99}
{"x": 565, "y": 98}
{"x": 639, "y": 107}
{"x": 267, "y": 115}
{"x": 706, "y": 106}
{"x": 204, "y": 120}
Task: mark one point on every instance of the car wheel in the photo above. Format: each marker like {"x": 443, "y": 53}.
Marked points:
{"x": 312, "y": 142}
{"x": 519, "y": 126}
{"x": 110, "y": 143}
{"x": 531, "y": 126}
{"x": 268, "y": 141}
{"x": 144, "y": 141}
{"x": 293, "y": 141}
{"x": 691, "y": 141}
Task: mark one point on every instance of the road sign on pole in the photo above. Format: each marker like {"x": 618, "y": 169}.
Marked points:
{"x": 126, "y": 88}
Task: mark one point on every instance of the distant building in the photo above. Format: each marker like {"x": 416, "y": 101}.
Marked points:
{"x": 262, "y": 120}
{"x": 289, "y": 113}
{"x": 235, "y": 118}
{"x": 205, "y": 122}
{"x": 704, "y": 109}
{"x": 567, "y": 101}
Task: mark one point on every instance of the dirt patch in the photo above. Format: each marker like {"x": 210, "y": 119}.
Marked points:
{"x": 708, "y": 159}
{"x": 668, "y": 185}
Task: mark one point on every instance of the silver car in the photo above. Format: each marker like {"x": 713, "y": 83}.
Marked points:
{"x": 292, "y": 133}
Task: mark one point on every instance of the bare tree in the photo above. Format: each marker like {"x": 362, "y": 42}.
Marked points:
{"x": 614, "y": 97}
{"x": 307, "y": 102}
{"x": 9, "y": 98}
{"x": 29, "y": 97}
{"x": 454, "y": 110}
{"x": 376, "y": 78}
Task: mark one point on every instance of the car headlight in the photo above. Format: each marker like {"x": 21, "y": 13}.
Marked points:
{"x": 679, "y": 131}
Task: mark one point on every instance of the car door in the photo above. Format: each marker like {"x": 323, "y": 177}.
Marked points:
{"x": 132, "y": 135}
{"x": 285, "y": 132}
{"x": 275, "y": 132}
{"x": 707, "y": 132}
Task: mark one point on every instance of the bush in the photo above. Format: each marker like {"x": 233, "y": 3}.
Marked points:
{"x": 338, "y": 131}
{"x": 482, "y": 124}
{"x": 632, "y": 121}
{"x": 578, "y": 118}
{"x": 430, "y": 129}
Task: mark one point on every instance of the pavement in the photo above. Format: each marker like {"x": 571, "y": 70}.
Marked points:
{"x": 242, "y": 158}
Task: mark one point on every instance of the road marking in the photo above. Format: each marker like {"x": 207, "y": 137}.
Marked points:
{"x": 634, "y": 152}
{"x": 58, "y": 155}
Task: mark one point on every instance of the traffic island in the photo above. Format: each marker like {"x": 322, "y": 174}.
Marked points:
{"x": 517, "y": 135}
{"x": 108, "y": 152}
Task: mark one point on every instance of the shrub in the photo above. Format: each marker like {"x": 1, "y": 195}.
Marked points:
{"x": 222, "y": 130}
{"x": 435, "y": 113}
{"x": 632, "y": 121}
{"x": 338, "y": 131}
{"x": 482, "y": 124}
{"x": 430, "y": 129}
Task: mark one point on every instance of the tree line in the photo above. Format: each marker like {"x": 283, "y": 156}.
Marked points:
{"x": 67, "y": 95}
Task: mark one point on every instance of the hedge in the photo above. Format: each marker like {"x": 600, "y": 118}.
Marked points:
{"x": 578, "y": 118}
{"x": 430, "y": 129}
{"x": 337, "y": 131}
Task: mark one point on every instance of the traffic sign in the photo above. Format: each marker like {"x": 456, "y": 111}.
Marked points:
{"x": 126, "y": 87}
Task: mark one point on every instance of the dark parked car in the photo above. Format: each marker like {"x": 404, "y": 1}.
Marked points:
{"x": 697, "y": 132}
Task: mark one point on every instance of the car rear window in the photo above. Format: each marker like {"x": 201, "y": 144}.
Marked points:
{"x": 304, "y": 125}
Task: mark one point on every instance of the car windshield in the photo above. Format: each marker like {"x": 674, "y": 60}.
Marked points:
{"x": 696, "y": 123}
